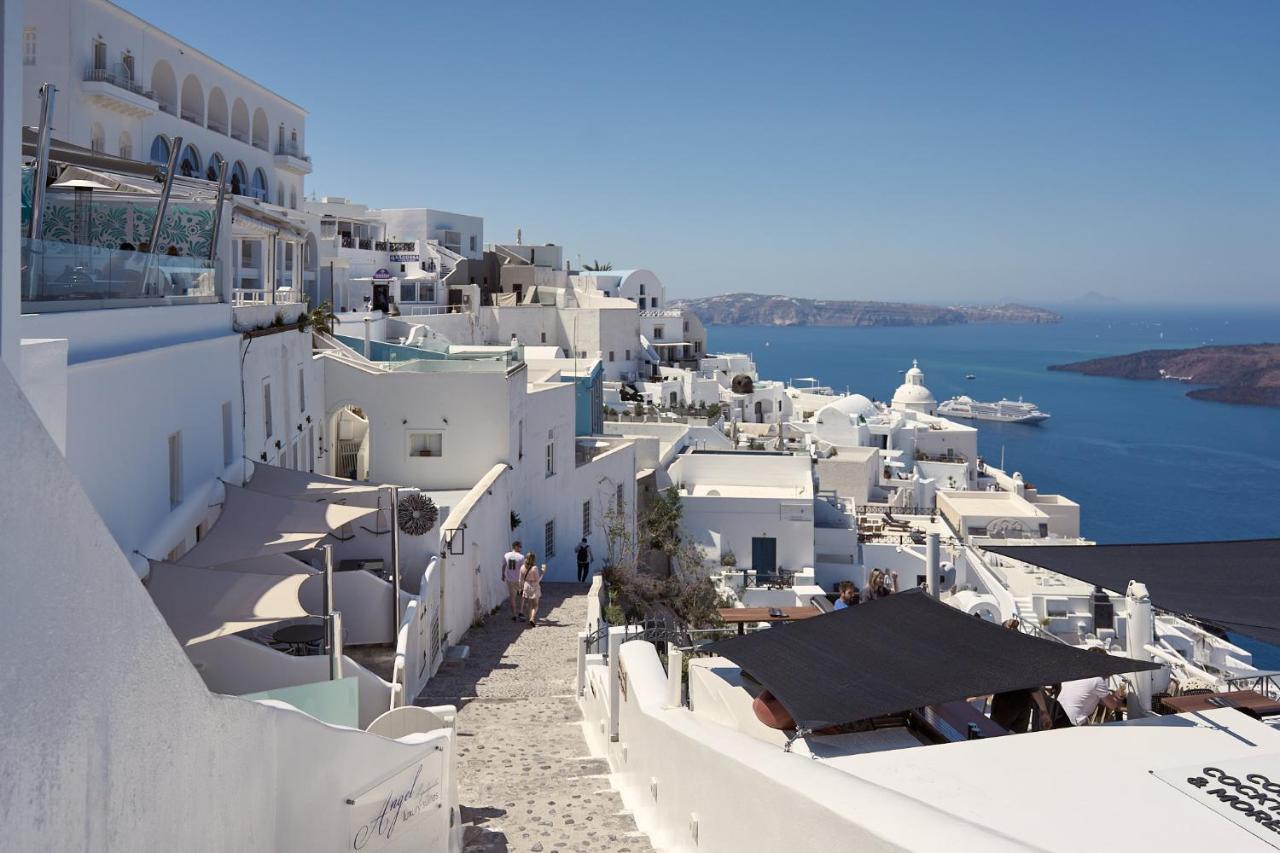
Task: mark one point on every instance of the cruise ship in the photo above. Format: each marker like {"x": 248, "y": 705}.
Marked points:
{"x": 1004, "y": 411}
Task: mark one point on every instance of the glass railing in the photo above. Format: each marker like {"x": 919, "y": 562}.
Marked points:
{"x": 78, "y": 276}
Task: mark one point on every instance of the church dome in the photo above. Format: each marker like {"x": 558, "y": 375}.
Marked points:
{"x": 912, "y": 393}
{"x": 854, "y": 404}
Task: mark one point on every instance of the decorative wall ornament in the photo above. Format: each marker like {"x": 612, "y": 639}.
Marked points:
{"x": 416, "y": 514}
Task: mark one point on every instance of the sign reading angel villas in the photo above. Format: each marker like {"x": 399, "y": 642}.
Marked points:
{"x": 404, "y": 811}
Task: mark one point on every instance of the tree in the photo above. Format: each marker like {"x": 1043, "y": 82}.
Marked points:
{"x": 598, "y": 267}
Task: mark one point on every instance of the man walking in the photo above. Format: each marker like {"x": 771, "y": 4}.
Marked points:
{"x": 584, "y": 560}
{"x": 512, "y": 562}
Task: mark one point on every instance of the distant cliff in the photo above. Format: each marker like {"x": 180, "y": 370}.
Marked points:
{"x": 1246, "y": 374}
{"x": 753, "y": 309}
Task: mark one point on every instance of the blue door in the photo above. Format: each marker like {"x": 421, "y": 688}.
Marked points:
{"x": 764, "y": 555}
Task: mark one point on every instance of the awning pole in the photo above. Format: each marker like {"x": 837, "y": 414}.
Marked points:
{"x": 395, "y": 563}
{"x": 217, "y": 210}
{"x": 162, "y": 205}
{"x": 334, "y": 621}
{"x": 38, "y": 180}
{"x": 932, "y": 566}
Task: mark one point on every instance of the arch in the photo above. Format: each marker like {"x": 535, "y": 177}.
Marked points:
{"x": 239, "y": 178}
{"x": 97, "y": 138}
{"x": 211, "y": 172}
{"x": 261, "y": 133}
{"x": 240, "y": 120}
{"x": 260, "y": 189}
{"x": 219, "y": 119}
{"x": 126, "y": 145}
{"x": 189, "y": 162}
{"x": 193, "y": 99}
{"x": 310, "y": 254}
{"x": 160, "y": 150}
{"x": 164, "y": 86}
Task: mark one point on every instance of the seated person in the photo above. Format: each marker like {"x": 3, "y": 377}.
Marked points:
{"x": 848, "y": 595}
{"x": 1080, "y": 698}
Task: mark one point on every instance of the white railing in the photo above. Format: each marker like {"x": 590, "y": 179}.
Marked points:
{"x": 427, "y": 310}
{"x": 254, "y": 296}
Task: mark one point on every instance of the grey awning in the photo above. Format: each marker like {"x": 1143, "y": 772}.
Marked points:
{"x": 253, "y": 524}
{"x": 899, "y": 653}
{"x": 304, "y": 486}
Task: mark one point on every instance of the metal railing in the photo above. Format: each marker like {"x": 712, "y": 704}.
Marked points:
{"x": 291, "y": 149}
{"x": 192, "y": 116}
{"x": 166, "y": 107}
{"x": 217, "y": 126}
{"x": 1266, "y": 683}
{"x": 118, "y": 77}
{"x": 255, "y": 296}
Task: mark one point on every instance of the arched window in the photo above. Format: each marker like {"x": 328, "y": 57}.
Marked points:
{"x": 293, "y": 198}
{"x": 160, "y": 149}
{"x": 240, "y": 121}
{"x": 189, "y": 165}
{"x": 218, "y": 119}
{"x": 215, "y": 161}
{"x": 126, "y": 145}
{"x": 260, "y": 131}
{"x": 164, "y": 85}
{"x": 193, "y": 100}
{"x": 239, "y": 178}
{"x": 259, "y": 187}
{"x": 97, "y": 138}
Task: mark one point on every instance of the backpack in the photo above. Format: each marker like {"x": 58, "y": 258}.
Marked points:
{"x": 582, "y": 552}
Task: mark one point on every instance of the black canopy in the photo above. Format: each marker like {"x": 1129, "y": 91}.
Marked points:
{"x": 1235, "y": 584}
{"x": 901, "y": 652}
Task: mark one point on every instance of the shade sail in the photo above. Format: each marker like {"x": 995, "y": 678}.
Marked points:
{"x": 1235, "y": 584}
{"x": 304, "y": 486}
{"x": 901, "y": 652}
{"x": 253, "y": 524}
{"x": 204, "y": 604}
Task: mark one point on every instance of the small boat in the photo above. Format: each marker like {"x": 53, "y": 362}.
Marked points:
{"x": 971, "y": 376}
{"x": 1005, "y": 411}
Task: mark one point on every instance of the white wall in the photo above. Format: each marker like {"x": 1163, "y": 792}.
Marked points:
{"x": 284, "y": 360}
{"x": 118, "y": 761}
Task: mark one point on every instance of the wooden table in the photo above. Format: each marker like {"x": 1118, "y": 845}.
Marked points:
{"x": 740, "y": 616}
{"x": 1261, "y": 705}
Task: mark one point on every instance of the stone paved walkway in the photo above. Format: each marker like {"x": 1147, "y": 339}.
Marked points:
{"x": 525, "y": 779}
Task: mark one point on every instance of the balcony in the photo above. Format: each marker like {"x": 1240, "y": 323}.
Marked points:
{"x": 394, "y": 246}
{"x": 289, "y": 156}
{"x": 192, "y": 116}
{"x": 74, "y": 277}
{"x": 242, "y": 296}
{"x": 115, "y": 89}
{"x": 217, "y": 126}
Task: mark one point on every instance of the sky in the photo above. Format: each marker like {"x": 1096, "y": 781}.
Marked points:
{"x": 920, "y": 151}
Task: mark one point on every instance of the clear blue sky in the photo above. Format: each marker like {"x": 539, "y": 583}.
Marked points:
{"x": 945, "y": 152}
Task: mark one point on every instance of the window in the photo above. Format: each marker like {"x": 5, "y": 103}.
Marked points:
{"x": 610, "y": 355}
{"x": 628, "y": 358}
{"x": 642, "y": 290}
{"x": 408, "y": 292}
{"x": 520, "y": 439}
{"x": 544, "y": 337}
{"x": 657, "y": 333}
{"x": 160, "y": 150}
{"x": 586, "y": 519}
{"x": 402, "y": 268}
{"x": 99, "y": 55}
{"x": 293, "y": 198}
{"x": 302, "y": 390}
{"x": 175, "y": 469}
{"x": 641, "y": 303}
{"x": 426, "y": 444}
{"x": 258, "y": 189}
{"x": 228, "y": 444}
{"x": 617, "y": 501}
{"x": 267, "y": 426}
{"x": 126, "y": 62}
{"x": 549, "y": 540}
{"x": 473, "y": 242}
{"x": 29, "y": 46}
{"x": 551, "y": 458}
{"x": 126, "y": 146}
{"x": 97, "y": 138}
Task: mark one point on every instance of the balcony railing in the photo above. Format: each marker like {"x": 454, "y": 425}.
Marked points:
{"x": 71, "y": 276}
{"x": 253, "y": 296}
{"x": 292, "y": 149}
{"x": 193, "y": 117}
{"x": 240, "y": 136}
{"x": 956, "y": 458}
{"x": 168, "y": 108}
{"x": 394, "y": 246}
{"x": 118, "y": 77}
{"x": 364, "y": 244}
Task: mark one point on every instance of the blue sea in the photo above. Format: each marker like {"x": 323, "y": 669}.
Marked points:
{"x": 1145, "y": 462}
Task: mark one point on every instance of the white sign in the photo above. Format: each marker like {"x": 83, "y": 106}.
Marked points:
{"x": 400, "y": 805}
{"x": 1245, "y": 791}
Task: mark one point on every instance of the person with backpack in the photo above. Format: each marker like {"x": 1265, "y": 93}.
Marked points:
{"x": 584, "y": 560}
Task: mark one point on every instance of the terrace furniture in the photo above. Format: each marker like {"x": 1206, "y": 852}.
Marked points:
{"x": 300, "y": 637}
{"x": 740, "y": 616}
{"x": 1249, "y": 701}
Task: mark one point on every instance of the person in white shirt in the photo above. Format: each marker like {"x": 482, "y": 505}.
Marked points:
{"x": 512, "y": 563}
{"x": 1080, "y": 698}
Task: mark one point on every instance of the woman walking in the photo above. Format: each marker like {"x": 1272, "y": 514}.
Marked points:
{"x": 531, "y": 586}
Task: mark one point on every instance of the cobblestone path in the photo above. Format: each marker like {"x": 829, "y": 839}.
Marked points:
{"x": 525, "y": 779}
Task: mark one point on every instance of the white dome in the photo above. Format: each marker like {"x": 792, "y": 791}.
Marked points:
{"x": 912, "y": 393}
{"x": 854, "y": 404}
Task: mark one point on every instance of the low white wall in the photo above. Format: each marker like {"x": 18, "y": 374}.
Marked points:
{"x": 417, "y": 656}
{"x": 471, "y": 569}
{"x": 676, "y": 772}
